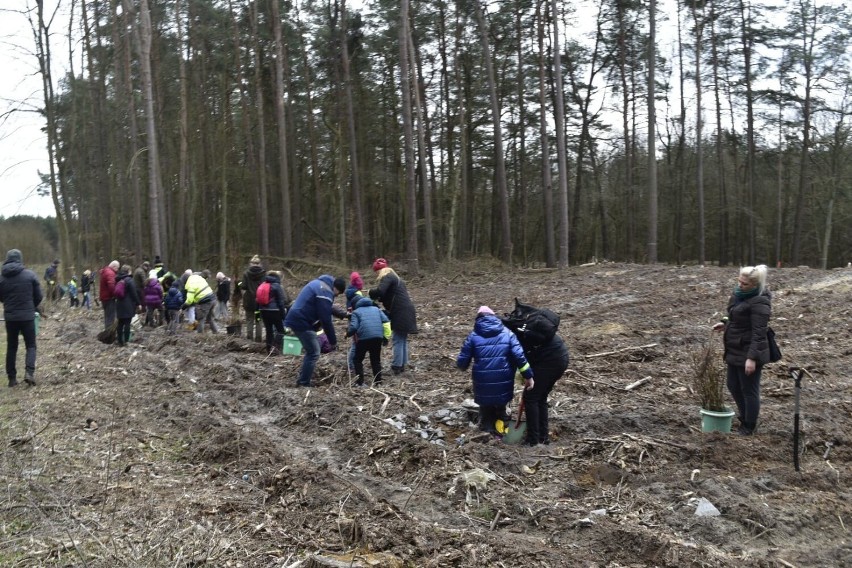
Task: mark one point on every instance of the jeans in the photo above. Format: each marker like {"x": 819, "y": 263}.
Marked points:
{"x": 13, "y": 329}
{"x": 350, "y": 359}
{"x": 109, "y": 312}
{"x": 745, "y": 389}
{"x": 222, "y": 309}
{"x": 312, "y": 352}
{"x": 400, "y": 349}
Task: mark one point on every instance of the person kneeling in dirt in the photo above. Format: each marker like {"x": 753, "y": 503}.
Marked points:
{"x": 314, "y": 303}
{"x": 496, "y": 353}
{"x": 371, "y": 329}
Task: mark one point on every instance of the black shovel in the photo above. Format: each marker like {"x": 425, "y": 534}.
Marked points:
{"x": 796, "y": 373}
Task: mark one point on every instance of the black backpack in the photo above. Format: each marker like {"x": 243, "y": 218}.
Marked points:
{"x": 533, "y": 326}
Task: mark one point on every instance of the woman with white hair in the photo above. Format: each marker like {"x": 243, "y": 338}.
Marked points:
{"x": 746, "y": 344}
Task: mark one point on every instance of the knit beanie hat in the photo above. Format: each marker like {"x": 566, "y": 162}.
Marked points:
{"x": 379, "y": 264}
{"x": 485, "y": 310}
{"x": 14, "y": 255}
{"x": 340, "y": 284}
{"x": 356, "y": 281}
{"x": 255, "y": 260}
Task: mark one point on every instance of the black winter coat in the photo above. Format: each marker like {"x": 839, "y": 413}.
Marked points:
{"x": 223, "y": 290}
{"x": 252, "y": 278}
{"x": 548, "y": 360}
{"x": 125, "y": 308}
{"x": 393, "y": 295}
{"x": 20, "y": 291}
{"x": 745, "y": 332}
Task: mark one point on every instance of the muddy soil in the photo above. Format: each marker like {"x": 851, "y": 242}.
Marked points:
{"x": 197, "y": 450}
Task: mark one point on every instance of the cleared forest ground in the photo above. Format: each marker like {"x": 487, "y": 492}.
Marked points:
{"x": 196, "y": 450}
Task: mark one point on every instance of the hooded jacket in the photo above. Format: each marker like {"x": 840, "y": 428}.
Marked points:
{"x": 20, "y": 291}
{"x": 314, "y": 303}
{"x": 745, "y": 333}
{"x": 252, "y": 278}
{"x": 125, "y": 308}
{"x": 393, "y": 295}
{"x": 368, "y": 321}
{"x": 152, "y": 294}
{"x": 496, "y": 353}
{"x": 197, "y": 290}
{"x": 174, "y": 298}
{"x": 106, "y": 286}
{"x": 279, "y": 300}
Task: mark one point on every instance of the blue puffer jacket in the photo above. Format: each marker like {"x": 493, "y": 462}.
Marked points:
{"x": 313, "y": 303}
{"x": 174, "y": 299}
{"x": 368, "y": 321}
{"x": 496, "y": 353}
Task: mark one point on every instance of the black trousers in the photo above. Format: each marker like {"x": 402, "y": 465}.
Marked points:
{"x": 273, "y": 321}
{"x": 13, "y": 329}
{"x": 374, "y": 348}
{"x": 535, "y": 400}
{"x": 122, "y": 333}
{"x": 745, "y": 389}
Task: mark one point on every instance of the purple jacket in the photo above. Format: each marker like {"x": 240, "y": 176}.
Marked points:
{"x": 152, "y": 294}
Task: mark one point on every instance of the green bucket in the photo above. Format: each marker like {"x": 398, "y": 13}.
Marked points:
{"x": 712, "y": 421}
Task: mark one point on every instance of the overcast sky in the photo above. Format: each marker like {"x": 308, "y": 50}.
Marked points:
{"x": 23, "y": 151}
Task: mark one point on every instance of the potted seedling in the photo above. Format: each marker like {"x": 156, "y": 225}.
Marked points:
{"x": 708, "y": 383}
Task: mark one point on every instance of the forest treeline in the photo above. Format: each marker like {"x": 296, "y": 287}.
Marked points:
{"x": 207, "y": 130}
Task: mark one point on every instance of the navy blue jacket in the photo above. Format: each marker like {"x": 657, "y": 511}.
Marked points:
{"x": 20, "y": 291}
{"x": 174, "y": 299}
{"x": 313, "y": 303}
{"x": 278, "y": 298}
{"x": 125, "y": 308}
{"x": 368, "y": 321}
{"x": 496, "y": 353}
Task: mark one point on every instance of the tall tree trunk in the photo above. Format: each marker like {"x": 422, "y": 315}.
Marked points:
{"x": 561, "y": 151}
{"x": 652, "y": 135}
{"x": 41, "y": 35}
{"x": 280, "y": 118}
{"x": 698, "y": 19}
{"x": 422, "y": 148}
{"x": 263, "y": 221}
{"x": 361, "y": 237}
{"x": 499, "y": 157}
{"x": 146, "y": 37}
{"x": 408, "y": 145}
{"x": 546, "y": 180}
{"x": 720, "y": 154}
{"x": 747, "y": 38}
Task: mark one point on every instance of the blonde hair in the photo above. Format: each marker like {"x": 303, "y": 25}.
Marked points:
{"x": 384, "y": 272}
{"x": 757, "y": 274}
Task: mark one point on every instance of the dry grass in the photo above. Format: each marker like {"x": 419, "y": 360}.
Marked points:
{"x": 708, "y": 377}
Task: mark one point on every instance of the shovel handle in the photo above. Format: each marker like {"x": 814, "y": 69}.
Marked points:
{"x": 520, "y": 413}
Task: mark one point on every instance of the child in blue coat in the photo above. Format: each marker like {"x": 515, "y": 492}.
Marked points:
{"x": 173, "y": 301}
{"x": 371, "y": 329}
{"x": 496, "y": 353}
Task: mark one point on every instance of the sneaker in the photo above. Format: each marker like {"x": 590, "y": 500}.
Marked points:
{"x": 30, "y": 380}
{"x": 397, "y": 370}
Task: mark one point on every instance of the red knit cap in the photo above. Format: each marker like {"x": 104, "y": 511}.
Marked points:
{"x": 379, "y": 264}
{"x": 356, "y": 281}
